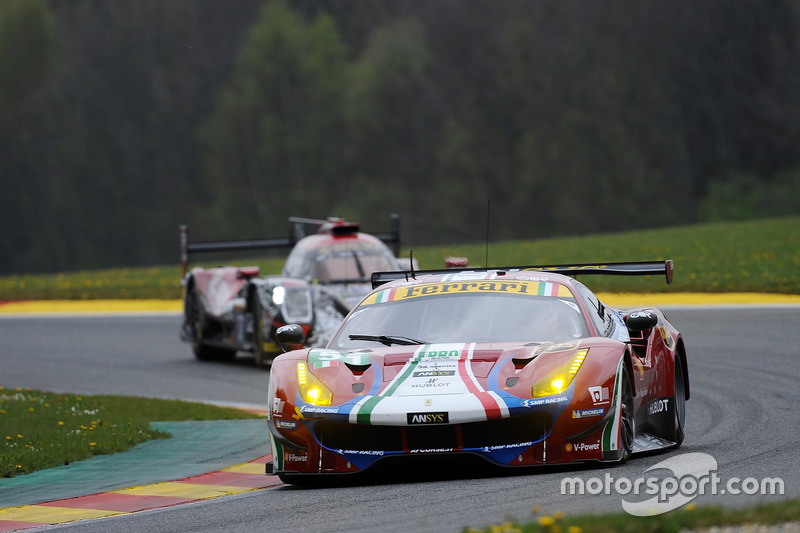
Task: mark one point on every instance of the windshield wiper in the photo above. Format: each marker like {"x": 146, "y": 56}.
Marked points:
{"x": 387, "y": 340}
{"x": 358, "y": 264}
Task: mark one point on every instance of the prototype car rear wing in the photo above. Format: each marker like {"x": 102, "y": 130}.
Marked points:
{"x": 298, "y": 228}
{"x": 643, "y": 268}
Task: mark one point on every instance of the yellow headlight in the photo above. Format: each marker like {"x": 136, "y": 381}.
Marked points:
{"x": 311, "y": 389}
{"x": 559, "y": 379}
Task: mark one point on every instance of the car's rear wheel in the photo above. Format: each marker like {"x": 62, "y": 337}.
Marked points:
{"x": 202, "y": 351}
{"x": 260, "y": 319}
{"x": 627, "y": 428}
{"x": 680, "y": 402}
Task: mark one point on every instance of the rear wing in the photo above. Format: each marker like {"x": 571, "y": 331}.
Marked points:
{"x": 643, "y": 268}
{"x": 298, "y": 228}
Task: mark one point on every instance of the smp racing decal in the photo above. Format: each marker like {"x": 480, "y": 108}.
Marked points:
{"x": 537, "y": 402}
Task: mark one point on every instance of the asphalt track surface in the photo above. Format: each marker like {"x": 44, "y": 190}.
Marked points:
{"x": 744, "y": 411}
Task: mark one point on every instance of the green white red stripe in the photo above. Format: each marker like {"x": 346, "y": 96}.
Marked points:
{"x": 437, "y": 378}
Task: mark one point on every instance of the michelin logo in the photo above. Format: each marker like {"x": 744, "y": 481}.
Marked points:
{"x": 588, "y": 413}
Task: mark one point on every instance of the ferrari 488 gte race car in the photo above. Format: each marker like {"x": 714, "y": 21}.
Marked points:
{"x": 519, "y": 366}
{"x": 229, "y": 309}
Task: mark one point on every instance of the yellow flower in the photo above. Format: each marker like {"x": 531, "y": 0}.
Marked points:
{"x": 546, "y": 521}
{"x": 30, "y": 409}
{"x": 558, "y": 515}
{"x": 19, "y": 436}
{"x": 2, "y": 411}
{"x": 537, "y": 509}
{"x": 8, "y": 437}
{"x": 691, "y": 507}
{"x": 574, "y": 529}
{"x": 60, "y": 422}
{"x": 92, "y": 444}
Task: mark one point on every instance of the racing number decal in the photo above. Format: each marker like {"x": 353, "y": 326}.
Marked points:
{"x": 321, "y": 358}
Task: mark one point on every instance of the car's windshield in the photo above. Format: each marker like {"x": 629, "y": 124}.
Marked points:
{"x": 467, "y": 317}
{"x": 340, "y": 261}
{"x": 349, "y": 265}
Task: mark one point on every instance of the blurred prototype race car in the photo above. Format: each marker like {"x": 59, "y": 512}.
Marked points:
{"x": 519, "y": 366}
{"x": 229, "y": 309}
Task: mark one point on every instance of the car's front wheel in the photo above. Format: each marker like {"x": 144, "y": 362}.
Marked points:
{"x": 680, "y": 402}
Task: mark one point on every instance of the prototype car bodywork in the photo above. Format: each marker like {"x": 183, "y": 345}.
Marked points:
{"x": 519, "y": 366}
{"x": 229, "y": 309}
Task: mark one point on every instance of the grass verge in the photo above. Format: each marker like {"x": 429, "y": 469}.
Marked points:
{"x": 754, "y": 256}
{"x": 42, "y": 430}
{"x": 687, "y": 518}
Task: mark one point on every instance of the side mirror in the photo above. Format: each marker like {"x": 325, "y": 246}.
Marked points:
{"x": 290, "y": 337}
{"x": 641, "y": 320}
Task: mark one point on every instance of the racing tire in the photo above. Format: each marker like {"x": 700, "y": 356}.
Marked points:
{"x": 259, "y": 316}
{"x": 627, "y": 422}
{"x": 680, "y": 402}
{"x": 194, "y": 317}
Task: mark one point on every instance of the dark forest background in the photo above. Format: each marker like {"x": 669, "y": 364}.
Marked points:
{"x": 120, "y": 119}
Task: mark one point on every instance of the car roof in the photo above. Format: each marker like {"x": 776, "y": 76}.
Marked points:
{"x": 497, "y": 282}
{"x": 315, "y": 242}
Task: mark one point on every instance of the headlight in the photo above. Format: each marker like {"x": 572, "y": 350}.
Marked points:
{"x": 559, "y": 379}
{"x": 311, "y": 389}
{"x": 278, "y": 294}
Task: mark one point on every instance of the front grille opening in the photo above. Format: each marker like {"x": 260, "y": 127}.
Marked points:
{"x": 499, "y": 432}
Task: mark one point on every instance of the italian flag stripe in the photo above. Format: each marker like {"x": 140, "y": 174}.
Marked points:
{"x": 490, "y": 403}
{"x": 386, "y": 296}
{"x": 364, "y": 410}
{"x": 611, "y": 434}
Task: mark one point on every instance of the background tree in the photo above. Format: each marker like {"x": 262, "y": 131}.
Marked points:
{"x": 27, "y": 59}
{"x": 120, "y": 119}
{"x": 275, "y": 142}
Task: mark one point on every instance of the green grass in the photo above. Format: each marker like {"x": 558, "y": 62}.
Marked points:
{"x": 754, "y": 256}
{"x": 42, "y": 430}
{"x": 688, "y": 517}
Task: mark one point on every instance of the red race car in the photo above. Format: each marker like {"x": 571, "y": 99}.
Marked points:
{"x": 518, "y": 366}
{"x": 233, "y": 309}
